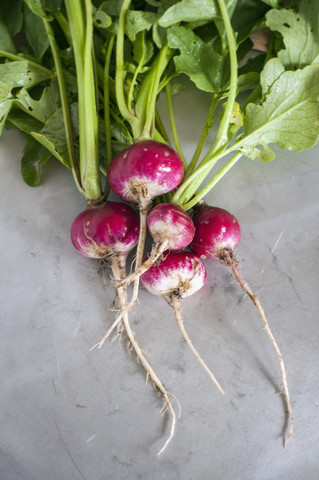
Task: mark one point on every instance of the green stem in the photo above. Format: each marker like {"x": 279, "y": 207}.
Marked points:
{"x": 12, "y": 56}
{"x": 207, "y": 127}
{"x": 221, "y": 138}
{"x": 173, "y": 125}
{"x": 120, "y": 71}
{"x": 107, "y": 115}
{"x": 213, "y": 182}
{"x": 81, "y": 29}
{"x": 65, "y": 105}
{"x": 178, "y": 196}
{"x": 161, "y": 62}
{"x": 130, "y": 96}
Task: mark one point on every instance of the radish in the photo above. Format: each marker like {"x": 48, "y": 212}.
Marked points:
{"x": 178, "y": 275}
{"x": 217, "y": 235}
{"x": 144, "y": 171}
{"x": 171, "y": 229}
{"x": 107, "y": 230}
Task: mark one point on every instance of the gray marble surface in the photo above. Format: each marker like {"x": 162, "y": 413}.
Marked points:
{"x": 68, "y": 413}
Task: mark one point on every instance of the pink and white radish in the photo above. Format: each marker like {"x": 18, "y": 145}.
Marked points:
{"x": 110, "y": 231}
{"x": 105, "y": 231}
{"x": 176, "y": 276}
{"x": 171, "y": 229}
{"x": 216, "y": 237}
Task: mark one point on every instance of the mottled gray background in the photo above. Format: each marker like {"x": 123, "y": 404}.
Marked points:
{"x": 71, "y": 414}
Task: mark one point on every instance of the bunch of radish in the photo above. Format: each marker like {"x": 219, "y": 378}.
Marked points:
{"x": 138, "y": 175}
{"x": 96, "y": 86}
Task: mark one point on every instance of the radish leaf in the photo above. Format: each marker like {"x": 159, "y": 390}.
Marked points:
{"x": 35, "y": 32}
{"x": 137, "y": 21}
{"x": 191, "y": 11}
{"x": 300, "y": 33}
{"x": 289, "y": 115}
{"x": 43, "y": 108}
{"x": 34, "y": 157}
{"x": 21, "y": 74}
{"x": 197, "y": 59}
{"x": 52, "y": 135}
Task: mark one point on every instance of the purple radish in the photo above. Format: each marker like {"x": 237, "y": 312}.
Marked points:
{"x": 217, "y": 235}
{"x": 176, "y": 276}
{"x": 107, "y": 230}
{"x": 171, "y": 229}
{"x": 144, "y": 171}
{"x": 110, "y": 231}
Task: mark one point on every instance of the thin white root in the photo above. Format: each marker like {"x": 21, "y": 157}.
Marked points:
{"x": 176, "y": 304}
{"x": 233, "y": 264}
{"x": 119, "y": 273}
{"x": 108, "y": 333}
{"x": 156, "y": 253}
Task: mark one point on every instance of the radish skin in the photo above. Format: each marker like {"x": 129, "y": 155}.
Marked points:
{"x": 104, "y": 230}
{"x": 217, "y": 235}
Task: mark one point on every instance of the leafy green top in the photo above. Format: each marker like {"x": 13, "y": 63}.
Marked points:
{"x": 133, "y": 50}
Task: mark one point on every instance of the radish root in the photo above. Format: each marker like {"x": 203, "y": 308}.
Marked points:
{"x": 231, "y": 261}
{"x": 118, "y": 270}
{"x": 175, "y": 303}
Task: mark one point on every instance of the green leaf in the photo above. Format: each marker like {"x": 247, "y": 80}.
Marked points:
{"x": 111, "y": 7}
{"x": 137, "y": 21}
{"x": 251, "y": 152}
{"x": 289, "y": 115}
{"x": 34, "y": 157}
{"x": 300, "y": 31}
{"x": 22, "y": 121}
{"x": 35, "y": 32}
{"x": 6, "y": 42}
{"x": 51, "y": 5}
{"x": 247, "y": 81}
{"x": 271, "y": 72}
{"x": 197, "y": 59}
{"x": 36, "y": 7}
{"x": 5, "y": 106}
{"x": 101, "y": 19}
{"x": 41, "y": 7}
{"x": 11, "y": 16}
{"x": 52, "y": 135}
{"x": 246, "y": 16}
{"x": 21, "y": 74}
{"x": 158, "y": 32}
{"x": 43, "y": 108}
{"x": 191, "y": 11}
{"x": 142, "y": 49}
{"x": 5, "y": 90}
